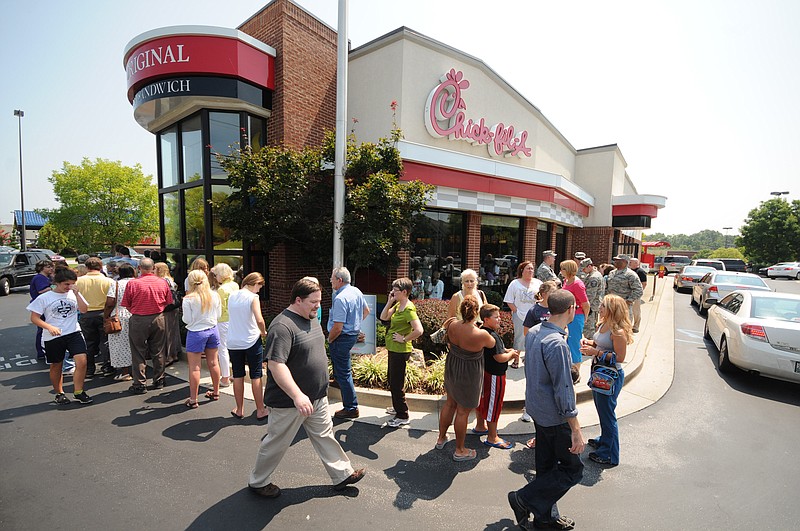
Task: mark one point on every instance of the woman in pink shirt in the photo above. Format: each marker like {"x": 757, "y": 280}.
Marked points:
{"x": 569, "y": 268}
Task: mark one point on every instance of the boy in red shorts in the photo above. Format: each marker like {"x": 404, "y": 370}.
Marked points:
{"x": 495, "y": 361}
{"x": 62, "y": 333}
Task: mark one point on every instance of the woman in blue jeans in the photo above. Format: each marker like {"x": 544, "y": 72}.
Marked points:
{"x": 609, "y": 345}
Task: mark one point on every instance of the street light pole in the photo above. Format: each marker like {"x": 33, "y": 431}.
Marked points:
{"x": 726, "y": 229}
{"x": 22, "y": 245}
{"x": 778, "y": 194}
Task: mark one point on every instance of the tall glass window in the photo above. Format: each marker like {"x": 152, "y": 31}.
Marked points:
{"x": 255, "y": 132}
{"x": 222, "y": 235}
{"x": 195, "y": 218}
{"x": 500, "y": 238}
{"x": 561, "y": 243}
{"x": 172, "y": 221}
{"x": 437, "y": 240}
{"x": 224, "y": 134}
{"x": 542, "y": 239}
{"x": 169, "y": 157}
{"x": 192, "y": 140}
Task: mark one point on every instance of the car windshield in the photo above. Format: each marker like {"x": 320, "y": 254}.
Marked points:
{"x": 5, "y": 259}
{"x": 776, "y": 308}
{"x": 740, "y": 280}
{"x": 696, "y": 270}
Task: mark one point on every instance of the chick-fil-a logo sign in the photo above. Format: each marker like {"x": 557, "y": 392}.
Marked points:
{"x": 445, "y": 117}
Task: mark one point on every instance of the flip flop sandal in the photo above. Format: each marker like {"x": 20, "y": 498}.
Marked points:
{"x": 440, "y": 445}
{"x": 503, "y": 444}
{"x": 238, "y": 416}
{"x": 211, "y": 395}
{"x": 479, "y": 432}
{"x": 469, "y": 457}
{"x": 190, "y": 404}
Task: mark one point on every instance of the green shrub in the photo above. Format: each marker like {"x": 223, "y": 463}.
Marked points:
{"x": 493, "y": 297}
{"x": 415, "y": 376}
{"x": 370, "y": 371}
{"x": 380, "y": 334}
{"x": 432, "y": 313}
{"x": 434, "y": 376}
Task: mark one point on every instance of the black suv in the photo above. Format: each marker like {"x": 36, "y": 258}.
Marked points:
{"x": 734, "y": 264}
{"x": 17, "y": 269}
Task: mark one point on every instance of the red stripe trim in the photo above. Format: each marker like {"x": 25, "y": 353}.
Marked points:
{"x": 634, "y": 210}
{"x": 477, "y": 182}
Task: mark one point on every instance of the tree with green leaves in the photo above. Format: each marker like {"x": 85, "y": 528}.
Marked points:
{"x": 285, "y": 195}
{"x": 103, "y": 203}
{"x": 50, "y": 237}
{"x": 771, "y": 232}
{"x": 722, "y": 252}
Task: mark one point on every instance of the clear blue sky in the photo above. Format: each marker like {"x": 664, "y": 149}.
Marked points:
{"x": 700, "y": 96}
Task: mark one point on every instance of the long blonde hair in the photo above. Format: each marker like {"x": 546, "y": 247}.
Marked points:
{"x": 162, "y": 270}
{"x": 617, "y": 317}
{"x": 198, "y": 286}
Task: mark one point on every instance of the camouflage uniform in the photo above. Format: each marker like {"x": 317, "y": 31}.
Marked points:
{"x": 595, "y": 290}
{"x": 545, "y": 273}
{"x": 626, "y": 284}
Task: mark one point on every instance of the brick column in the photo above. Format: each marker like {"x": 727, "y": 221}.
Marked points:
{"x": 473, "y": 258}
{"x": 529, "y": 241}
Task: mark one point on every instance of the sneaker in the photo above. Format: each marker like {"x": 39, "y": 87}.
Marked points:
{"x": 137, "y": 389}
{"x": 268, "y": 491}
{"x": 158, "y": 384}
{"x": 521, "y": 514}
{"x": 83, "y": 398}
{"x": 525, "y": 417}
{"x": 123, "y": 377}
{"x": 355, "y": 477}
{"x": 390, "y": 411}
{"x": 562, "y": 523}
{"x": 346, "y": 414}
{"x": 396, "y": 422}
{"x": 68, "y": 372}
{"x": 61, "y": 399}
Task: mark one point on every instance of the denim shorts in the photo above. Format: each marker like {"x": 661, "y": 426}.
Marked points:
{"x": 202, "y": 340}
{"x": 253, "y": 356}
{"x": 55, "y": 349}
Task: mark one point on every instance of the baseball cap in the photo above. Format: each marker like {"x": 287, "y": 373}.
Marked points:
{"x": 586, "y": 262}
{"x": 580, "y": 255}
{"x": 622, "y": 257}
{"x": 549, "y": 253}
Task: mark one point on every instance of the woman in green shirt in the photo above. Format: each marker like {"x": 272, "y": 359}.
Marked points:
{"x": 404, "y": 328}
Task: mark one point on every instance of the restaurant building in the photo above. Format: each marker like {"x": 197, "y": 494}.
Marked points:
{"x": 507, "y": 182}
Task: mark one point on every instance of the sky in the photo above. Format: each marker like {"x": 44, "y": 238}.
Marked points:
{"x": 701, "y": 97}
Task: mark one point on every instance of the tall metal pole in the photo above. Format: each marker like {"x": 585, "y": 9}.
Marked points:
{"x": 22, "y": 245}
{"x": 341, "y": 136}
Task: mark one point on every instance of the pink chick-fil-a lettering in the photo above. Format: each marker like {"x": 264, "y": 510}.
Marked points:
{"x": 445, "y": 117}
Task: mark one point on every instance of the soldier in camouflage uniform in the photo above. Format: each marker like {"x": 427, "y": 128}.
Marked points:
{"x": 545, "y": 271}
{"x": 580, "y": 257}
{"x": 595, "y": 290}
{"x": 624, "y": 282}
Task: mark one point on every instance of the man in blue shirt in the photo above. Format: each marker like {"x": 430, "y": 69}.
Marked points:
{"x": 550, "y": 399}
{"x": 344, "y": 324}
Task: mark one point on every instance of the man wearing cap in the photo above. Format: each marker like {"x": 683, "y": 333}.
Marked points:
{"x": 580, "y": 256}
{"x": 624, "y": 282}
{"x": 637, "y": 304}
{"x": 545, "y": 271}
{"x": 595, "y": 289}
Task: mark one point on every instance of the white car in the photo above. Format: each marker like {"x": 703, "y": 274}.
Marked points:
{"x": 784, "y": 269}
{"x": 710, "y": 289}
{"x": 758, "y": 331}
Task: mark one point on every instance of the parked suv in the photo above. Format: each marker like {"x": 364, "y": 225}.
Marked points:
{"x": 17, "y": 269}
{"x": 672, "y": 263}
{"x": 734, "y": 264}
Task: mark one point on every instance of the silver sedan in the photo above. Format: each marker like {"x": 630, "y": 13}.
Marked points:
{"x": 688, "y": 276}
{"x": 716, "y": 285}
{"x": 759, "y": 332}
{"x": 785, "y": 270}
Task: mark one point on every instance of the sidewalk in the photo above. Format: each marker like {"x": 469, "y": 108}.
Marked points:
{"x": 648, "y": 375}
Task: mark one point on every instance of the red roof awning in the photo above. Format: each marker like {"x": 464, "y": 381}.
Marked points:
{"x": 656, "y": 244}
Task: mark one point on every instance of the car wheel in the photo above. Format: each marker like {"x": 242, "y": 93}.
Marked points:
{"x": 692, "y": 302}
{"x": 5, "y": 287}
{"x": 706, "y": 334}
{"x": 725, "y": 364}
{"x": 797, "y": 277}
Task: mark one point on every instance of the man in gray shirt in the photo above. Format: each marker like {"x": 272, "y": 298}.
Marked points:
{"x": 297, "y": 393}
{"x": 550, "y": 399}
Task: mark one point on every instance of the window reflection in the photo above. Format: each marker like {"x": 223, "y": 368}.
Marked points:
{"x": 195, "y": 226}
{"x": 224, "y": 134}
{"x": 169, "y": 157}
{"x": 500, "y": 236}
{"x": 255, "y": 132}
{"x": 172, "y": 220}
{"x": 192, "y": 139}
{"x": 436, "y": 253}
{"x": 222, "y": 235}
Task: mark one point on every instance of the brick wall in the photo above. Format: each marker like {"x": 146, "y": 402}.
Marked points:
{"x": 596, "y": 242}
{"x": 529, "y": 242}
{"x": 473, "y": 258}
{"x": 304, "y": 102}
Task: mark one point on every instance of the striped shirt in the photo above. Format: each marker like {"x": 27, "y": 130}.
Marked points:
{"x": 146, "y": 295}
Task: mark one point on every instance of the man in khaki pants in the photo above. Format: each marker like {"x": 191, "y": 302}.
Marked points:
{"x": 637, "y": 304}
{"x": 297, "y": 393}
